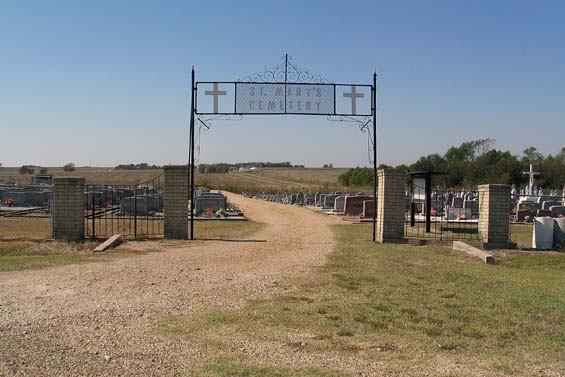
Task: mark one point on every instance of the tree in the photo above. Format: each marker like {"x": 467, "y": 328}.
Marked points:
{"x": 357, "y": 177}
{"x": 69, "y": 167}
{"x": 26, "y": 169}
{"x": 532, "y": 156}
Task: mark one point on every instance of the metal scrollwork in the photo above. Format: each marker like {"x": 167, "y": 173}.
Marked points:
{"x": 286, "y": 71}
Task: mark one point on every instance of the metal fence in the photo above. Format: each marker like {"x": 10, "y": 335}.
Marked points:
{"x": 134, "y": 211}
{"x": 444, "y": 215}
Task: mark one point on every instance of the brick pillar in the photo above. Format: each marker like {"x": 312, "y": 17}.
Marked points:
{"x": 494, "y": 215}
{"x": 390, "y": 205}
{"x": 176, "y": 202}
{"x": 68, "y": 209}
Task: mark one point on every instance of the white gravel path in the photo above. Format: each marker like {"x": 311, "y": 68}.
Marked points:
{"x": 95, "y": 319}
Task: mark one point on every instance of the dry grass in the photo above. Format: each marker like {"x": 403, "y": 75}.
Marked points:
{"x": 414, "y": 310}
{"x": 25, "y": 255}
{"x": 270, "y": 179}
{"x": 23, "y": 242}
{"x": 25, "y": 228}
{"x": 226, "y": 367}
{"x": 95, "y": 175}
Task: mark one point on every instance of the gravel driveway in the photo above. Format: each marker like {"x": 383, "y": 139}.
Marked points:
{"x": 96, "y": 318}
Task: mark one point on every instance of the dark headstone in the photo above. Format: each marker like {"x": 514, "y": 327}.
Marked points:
{"x": 354, "y": 205}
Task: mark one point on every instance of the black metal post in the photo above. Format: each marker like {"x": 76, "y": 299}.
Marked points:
{"x": 93, "y": 217}
{"x": 285, "y": 78}
{"x": 428, "y": 202}
{"x": 135, "y": 213}
{"x": 374, "y": 111}
{"x": 191, "y": 165}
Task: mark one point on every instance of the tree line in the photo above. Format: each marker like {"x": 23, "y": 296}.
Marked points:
{"x": 140, "y": 166}
{"x": 477, "y": 162}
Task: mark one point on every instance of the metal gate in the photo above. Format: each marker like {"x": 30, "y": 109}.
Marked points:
{"x": 134, "y": 211}
{"x": 441, "y": 214}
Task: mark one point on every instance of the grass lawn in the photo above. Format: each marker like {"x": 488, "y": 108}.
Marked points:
{"x": 410, "y": 310}
{"x": 22, "y": 251}
{"x": 226, "y": 367}
{"x": 25, "y": 228}
{"x": 16, "y": 255}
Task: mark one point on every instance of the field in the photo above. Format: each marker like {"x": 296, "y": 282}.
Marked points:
{"x": 270, "y": 179}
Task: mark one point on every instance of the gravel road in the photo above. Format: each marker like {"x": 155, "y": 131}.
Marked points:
{"x": 95, "y": 319}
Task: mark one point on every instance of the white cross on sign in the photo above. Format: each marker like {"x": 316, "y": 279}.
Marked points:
{"x": 216, "y": 93}
{"x": 354, "y": 95}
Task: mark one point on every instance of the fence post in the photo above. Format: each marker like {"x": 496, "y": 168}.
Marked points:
{"x": 391, "y": 202}
{"x": 494, "y": 215}
{"x": 175, "y": 203}
{"x": 69, "y": 203}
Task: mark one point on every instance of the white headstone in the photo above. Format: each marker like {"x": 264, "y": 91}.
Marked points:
{"x": 542, "y": 238}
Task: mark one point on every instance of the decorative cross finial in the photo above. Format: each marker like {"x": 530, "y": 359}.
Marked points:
{"x": 216, "y": 93}
{"x": 354, "y": 95}
{"x": 532, "y": 175}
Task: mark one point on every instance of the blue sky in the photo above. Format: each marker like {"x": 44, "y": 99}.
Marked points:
{"x": 106, "y": 82}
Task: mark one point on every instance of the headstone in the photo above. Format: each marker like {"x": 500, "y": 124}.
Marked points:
{"x": 134, "y": 205}
{"x": 559, "y": 233}
{"x": 525, "y": 215}
{"x": 368, "y": 208}
{"x": 543, "y": 233}
{"x": 155, "y": 202}
{"x": 473, "y": 205}
{"x": 293, "y": 198}
{"x": 437, "y": 204}
{"x": 329, "y": 200}
{"x": 525, "y": 205}
{"x": 205, "y": 203}
{"x": 121, "y": 192}
{"x": 300, "y": 199}
{"x": 549, "y": 204}
{"x": 557, "y": 211}
{"x": 317, "y": 198}
{"x": 19, "y": 198}
{"x": 96, "y": 198}
{"x": 354, "y": 205}
{"x": 457, "y": 202}
{"x": 37, "y": 198}
{"x": 339, "y": 203}
{"x": 459, "y": 214}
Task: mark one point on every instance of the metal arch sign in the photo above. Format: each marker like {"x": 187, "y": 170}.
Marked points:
{"x": 276, "y": 98}
{"x": 284, "y": 89}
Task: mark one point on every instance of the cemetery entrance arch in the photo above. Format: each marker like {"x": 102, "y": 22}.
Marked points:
{"x": 285, "y": 90}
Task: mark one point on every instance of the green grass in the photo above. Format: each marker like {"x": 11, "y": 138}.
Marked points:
{"x": 521, "y": 234}
{"x": 416, "y": 305}
{"x": 27, "y": 255}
